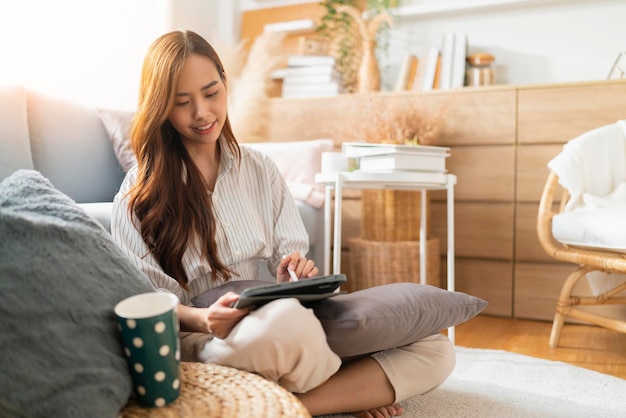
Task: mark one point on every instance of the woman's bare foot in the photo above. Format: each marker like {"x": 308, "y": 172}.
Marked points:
{"x": 393, "y": 410}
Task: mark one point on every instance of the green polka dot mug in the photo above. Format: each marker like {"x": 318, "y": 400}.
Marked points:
{"x": 149, "y": 326}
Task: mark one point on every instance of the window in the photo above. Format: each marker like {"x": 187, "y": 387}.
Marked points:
{"x": 88, "y": 51}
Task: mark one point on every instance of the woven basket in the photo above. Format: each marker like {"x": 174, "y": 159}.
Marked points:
{"x": 391, "y": 215}
{"x": 213, "y": 391}
{"x": 373, "y": 263}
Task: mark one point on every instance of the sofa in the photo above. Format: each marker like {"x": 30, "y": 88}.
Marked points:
{"x": 83, "y": 150}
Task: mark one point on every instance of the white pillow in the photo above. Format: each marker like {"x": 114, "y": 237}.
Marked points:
{"x": 14, "y": 138}
{"x": 117, "y": 124}
{"x": 299, "y": 162}
{"x": 599, "y": 228}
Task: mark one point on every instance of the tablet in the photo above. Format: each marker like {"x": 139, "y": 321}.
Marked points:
{"x": 306, "y": 290}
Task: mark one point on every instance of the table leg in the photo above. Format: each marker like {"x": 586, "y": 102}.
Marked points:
{"x": 423, "y": 238}
{"x": 450, "y": 251}
{"x": 327, "y": 228}
{"x": 337, "y": 232}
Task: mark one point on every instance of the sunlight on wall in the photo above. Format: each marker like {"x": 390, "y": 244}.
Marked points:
{"x": 89, "y": 51}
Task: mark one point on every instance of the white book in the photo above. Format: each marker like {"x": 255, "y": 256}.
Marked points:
{"x": 364, "y": 149}
{"x": 427, "y": 69}
{"x": 305, "y": 60}
{"x": 301, "y": 71}
{"x": 331, "y": 88}
{"x": 311, "y": 78}
{"x": 426, "y": 178}
{"x": 447, "y": 54}
{"x": 291, "y": 26}
{"x": 405, "y": 161}
{"x": 457, "y": 79}
{"x": 405, "y": 72}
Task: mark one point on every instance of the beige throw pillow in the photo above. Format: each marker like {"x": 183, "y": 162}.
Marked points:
{"x": 117, "y": 123}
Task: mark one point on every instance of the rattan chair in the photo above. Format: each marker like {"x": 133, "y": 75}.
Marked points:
{"x": 587, "y": 255}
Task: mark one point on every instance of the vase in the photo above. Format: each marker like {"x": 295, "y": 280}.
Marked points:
{"x": 369, "y": 73}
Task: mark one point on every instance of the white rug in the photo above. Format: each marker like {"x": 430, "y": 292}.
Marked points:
{"x": 492, "y": 383}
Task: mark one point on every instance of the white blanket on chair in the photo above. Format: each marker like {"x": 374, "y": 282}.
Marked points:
{"x": 592, "y": 167}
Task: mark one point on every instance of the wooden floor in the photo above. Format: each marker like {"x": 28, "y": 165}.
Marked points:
{"x": 585, "y": 346}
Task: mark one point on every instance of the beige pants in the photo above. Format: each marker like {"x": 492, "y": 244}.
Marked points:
{"x": 418, "y": 368}
{"x": 285, "y": 343}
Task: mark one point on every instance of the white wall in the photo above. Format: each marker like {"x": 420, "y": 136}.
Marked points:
{"x": 83, "y": 50}
{"x": 215, "y": 20}
{"x": 92, "y": 50}
{"x": 534, "y": 41}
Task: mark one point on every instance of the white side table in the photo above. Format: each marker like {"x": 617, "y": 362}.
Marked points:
{"x": 396, "y": 180}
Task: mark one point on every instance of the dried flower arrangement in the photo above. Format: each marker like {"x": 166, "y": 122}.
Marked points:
{"x": 395, "y": 121}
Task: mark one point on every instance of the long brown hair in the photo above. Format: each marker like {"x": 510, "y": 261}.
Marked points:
{"x": 173, "y": 213}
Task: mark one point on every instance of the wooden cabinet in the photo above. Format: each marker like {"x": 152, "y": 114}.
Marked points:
{"x": 501, "y": 139}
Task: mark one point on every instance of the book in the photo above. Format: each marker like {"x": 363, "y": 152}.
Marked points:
{"x": 437, "y": 80}
{"x": 405, "y": 71}
{"x": 330, "y": 88}
{"x": 425, "y": 77}
{"x": 457, "y": 78}
{"x": 307, "y": 60}
{"x": 412, "y": 72}
{"x": 282, "y": 73}
{"x": 311, "y": 78}
{"x": 418, "y": 78}
{"x": 447, "y": 55}
{"x": 291, "y": 26}
{"x": 405, "y": 161}
{"x": 364, "y": 149}
{"x": 429, "y": 178}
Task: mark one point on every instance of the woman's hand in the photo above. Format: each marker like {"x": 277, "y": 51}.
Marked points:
{"x": 303, "y": 267}
{"x": 218, "y": 319}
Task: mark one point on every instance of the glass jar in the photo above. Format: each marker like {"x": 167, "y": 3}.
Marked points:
{"x": 479, "y": 69}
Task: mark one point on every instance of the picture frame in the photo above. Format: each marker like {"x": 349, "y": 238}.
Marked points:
{"x": 618, "y": 70}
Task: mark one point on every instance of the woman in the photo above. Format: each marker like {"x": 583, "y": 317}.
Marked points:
{"x": 198, "y": 211}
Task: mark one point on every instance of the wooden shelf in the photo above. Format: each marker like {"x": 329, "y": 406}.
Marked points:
{"x": 444, "y": 8}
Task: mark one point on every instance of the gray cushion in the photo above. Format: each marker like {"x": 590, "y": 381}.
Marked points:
{"x": 60, "y": 278}
{"x": 380, "y": 317}
{"x": 391, "y": 315}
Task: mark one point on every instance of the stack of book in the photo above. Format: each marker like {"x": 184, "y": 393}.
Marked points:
{"x": 390, "y": 157}
{"x": 310, "y": 76}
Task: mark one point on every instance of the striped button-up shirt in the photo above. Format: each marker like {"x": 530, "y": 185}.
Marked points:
{"x": 256, "y": 217}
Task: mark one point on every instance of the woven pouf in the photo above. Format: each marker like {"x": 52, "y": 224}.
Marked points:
{"x": 213, "y": 391}
{"x": 374, "y": 263}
